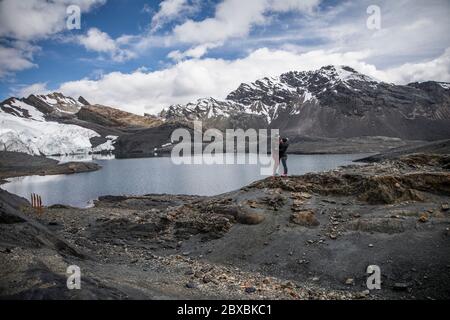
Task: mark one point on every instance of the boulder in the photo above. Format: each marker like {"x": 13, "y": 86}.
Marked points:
{"x": 246, "y": 216}
{"x": 305, "y": 218}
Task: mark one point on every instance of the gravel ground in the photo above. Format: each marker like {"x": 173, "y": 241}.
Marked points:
{"x": 305, "y": 237}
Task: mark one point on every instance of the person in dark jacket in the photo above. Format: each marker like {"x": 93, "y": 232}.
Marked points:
{"x": 284, "y": 145}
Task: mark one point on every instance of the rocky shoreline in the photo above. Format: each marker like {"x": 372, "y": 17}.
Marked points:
{"x": 304, "y": 145}
{"x": 437, "y": 147}
{"x": 302, "y": 237}
{"x": 15, "y": 164}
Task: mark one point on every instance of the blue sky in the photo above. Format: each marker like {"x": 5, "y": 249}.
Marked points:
{"x": 143, "y": 55}
{"x": 58, "y": 62}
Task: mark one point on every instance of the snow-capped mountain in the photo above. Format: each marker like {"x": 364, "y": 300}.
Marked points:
{"x": 270, "y": 95}
{"x": 25, "y": 127}
{"x": 334, "y": 101}
{"x": 217, "y": 114}
{"x": 53, "y": 104}
{"x": 202, "y": 109}
{"x": 293, "y": 89}
{"x": 61, "y": 103}
{"x": 209, "y": 108}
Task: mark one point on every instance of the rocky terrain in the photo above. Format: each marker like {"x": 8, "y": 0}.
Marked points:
{"x": 301, "y": 237}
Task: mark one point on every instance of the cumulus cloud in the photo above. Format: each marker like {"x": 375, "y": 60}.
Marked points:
{"x": 16, "y": 57}
{"x": 170, "y": 10}
{"x": 194, "y": 52}
{"x": 28, "y": 21}
{"x": 37, "y": 19}
{"x": 293, "y": 5}
{"x": 98, "y": 41}
{"x": 232, "y": 19}
{"x": 411, "y": 30}
{"x": 143, "y": 91}
{"x": 437, "y": 69}
{"x": 36, "y": 88}
{"x": 235, "y": 18}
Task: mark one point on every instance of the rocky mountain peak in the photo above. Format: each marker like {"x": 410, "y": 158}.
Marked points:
{"x": 18, "y": 108}
{"x": 304, "y": 86}
{"x": 198, "y": 110}
{"x": 343, "y": 73}
{"x": 59, "y": 102}
{"x": 40, "y": 106}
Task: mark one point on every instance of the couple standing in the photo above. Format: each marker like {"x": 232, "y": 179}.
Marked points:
{"x": 279, "y": 153}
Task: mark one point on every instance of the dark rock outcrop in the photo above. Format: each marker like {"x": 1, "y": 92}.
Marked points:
{"x": 111, "y": 117}
{"x": 15, "y": 164}
{"x": 439, "y": 147}
{"x": 83, "y": 101}
{"x": 147, "y": 142}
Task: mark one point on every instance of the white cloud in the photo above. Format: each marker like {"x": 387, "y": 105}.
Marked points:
{"x": 98, "y": 41}
{"x": 194, "y": 52}
{"x": 232, "y": 19}
{"x": 17, "y": 57}
{"x": 411, "y": 30}
{"x": 36, "y": 88}
{"x": 293, "y": 5}
{"x": 170, "y": 10}
{"x": 28, "y": 21}
{"x": 437, "y": 70}
{"x": 32, "y": 20}
{"x": 150, "y": 91}
{"x": 235, "y": 18}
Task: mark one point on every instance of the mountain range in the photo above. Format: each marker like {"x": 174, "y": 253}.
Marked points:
{"x": 334, "y": 102}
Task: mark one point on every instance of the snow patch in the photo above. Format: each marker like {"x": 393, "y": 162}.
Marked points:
{"x": 25, "y": 110}
{"x": 444, "y": 85}
{"x": 61, "y": 103}
{"x": 108, "y": 146}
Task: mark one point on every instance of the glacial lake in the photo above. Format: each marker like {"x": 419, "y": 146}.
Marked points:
{"x": 159, "y": 176}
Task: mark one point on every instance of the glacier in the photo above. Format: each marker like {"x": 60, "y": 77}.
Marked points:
{"x": 24, "y": 129}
